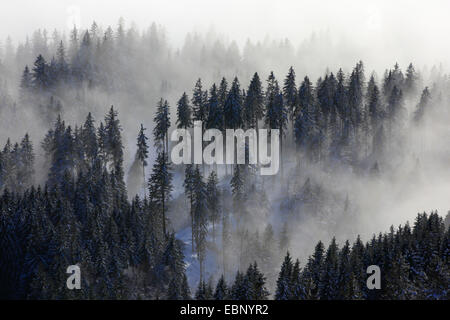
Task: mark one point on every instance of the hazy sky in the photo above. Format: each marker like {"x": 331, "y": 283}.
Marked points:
{"x": 412, "y": 27}
{"x": 240, "y": 19}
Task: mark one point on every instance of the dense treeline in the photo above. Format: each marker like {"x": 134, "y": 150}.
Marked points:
{"x": 414, "y": 264}
{"x": 343, "y": 121}
{"x": 131, "y": 64}
{"x": 86, "y": 214}
{"x": 82, "y": 216}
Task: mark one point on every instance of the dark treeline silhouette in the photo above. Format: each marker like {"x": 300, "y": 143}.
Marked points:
{"x": 84, "y": 213}
{"x": 82, "y": 216}
{"x": 414, "y": 263}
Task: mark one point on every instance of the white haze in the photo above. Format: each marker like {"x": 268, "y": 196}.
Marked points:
{"x": 378, "y": 32}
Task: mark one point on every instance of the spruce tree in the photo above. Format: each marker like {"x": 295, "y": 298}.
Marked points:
{"x": 255, "y": 283}
{"x": 222, "y": 291}
{"x": 290, "y": 92}
{"x": 41, "y": 80}
{"x": 329, "y": 278}
{"x": 26, "y": 159}
{"x": 215, "y": 112}
{"x": 162, "y": 125}
{"x": 213, "y": 201}
{"x": 254, "y": 103}
{"x": 199, "y": 102}
{"x": 188, "y": 185}
{"x": 184, "y": 112}
{"x": 423, "y": 106}
{"x": 89, "y": 139}
{"x": 160, "y": 187}
{"x": 200, "y": 212}
{"x": 142, "y": 151}
{"x": 283, "y": 291}
{"x": 232, "y": 108}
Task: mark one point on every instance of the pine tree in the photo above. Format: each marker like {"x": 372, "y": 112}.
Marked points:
{"x": 226, "y": 240}
{"x": 254, "y": 103}
{"x": 238, "y": 289}
{"x": 315, "y": 267}
{"x": 41, "y": 80}
{"x": 232, "y": 108}
{"x": 25, "y": 172}
{"x": 114, "y": 149}
{"x": 290, "y": 92}
{"x": 113, "y": 139}
{"x": 162, "y": 125}
{"x": 423, "y": 106}
{"x": 222, "y": 93}
{"x": 297, "y": 290}
{"x": 185, "y": 290}
{"x": 204, "y": 291}
{"x": 200, "y": 211}
{"x": 395, "y": 109}
{"x": 215, "y": 112}
{"x": 26, "y": 84}
{"x": 284, "y": 238}
{"x": 329, "y": 278}
{"x": 222, "y": 291}
{"x": 305, "y": 125}
{"x": 283, "y": 291}
{"x": 276, "y": 114}
{"x": 200, "y": 104}
{"x": 255, "y": 283}
{"x": 326, "y": 92}
{"x": 355, "y": 94}
{"x": 62, "y": 160}
{"x": 213, "y": 201}
{"x": 188, "y": 185}
{"x": 238, "y": 191}
{"x": 200, "y": 294}
{"x": 184, "y": 112}
{"x": 160, "y": 187}
{"x": 61, "y": 63}
{"x": 272, "y": 92}
{"x": 341, "y": 94}
{"x": 411, "y": 81}
{"x": 173, "y": 291}
{"x": 142, "y": 151}
{"x": 374, "y": 104}
{"x": 89, "y": 139}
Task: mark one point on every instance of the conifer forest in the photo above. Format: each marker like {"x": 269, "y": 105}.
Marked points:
{"x": 88, "y": 178}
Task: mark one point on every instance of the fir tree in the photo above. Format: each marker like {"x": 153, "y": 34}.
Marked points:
{"x": 213, "y": 201}
{"x": 283, "y": 291}
{"x": 89, "y": 139}
{"x": 423, "y": 106}
{"x": 199, "y": 102}
{"x": 200, "y": 211}
{"x": 222, "y": 291}
{"x": 162, "y": 125}
{"x": 254, "y": 103}
{"x": 160, "y": 187}
{"x": 142, "y": 151}
{"x": 290, "y": 92}
{"x": 330, "y": 276}
{"x": 215, "y": 112}
{"x": 255, "y": 283}
{"x": 184, "y": 112}
{"x": 188, "y": 185}
{"x": 41, "y": 80}
{"x": 232, "y": 108}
